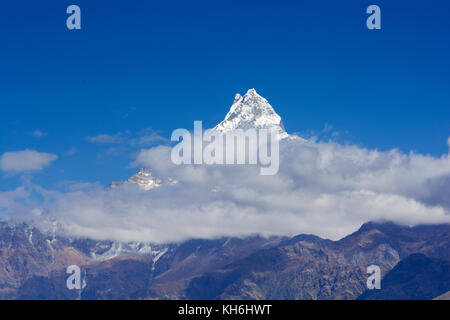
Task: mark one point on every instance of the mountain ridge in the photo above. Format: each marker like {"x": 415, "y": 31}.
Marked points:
{"x": 246, "y": 112}
{"x": 299, "y": 267}
{"x": 417, "y": 277}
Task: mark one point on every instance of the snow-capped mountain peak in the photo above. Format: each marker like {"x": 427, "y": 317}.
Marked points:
{"x": 251, "y": 111}
{"x": 144, "y": 180}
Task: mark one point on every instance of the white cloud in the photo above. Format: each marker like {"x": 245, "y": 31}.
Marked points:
{"x": 322, "y": 188}
{"x": 38, "y": 134}
{"x": 26, "y": 160}
{"x": 72, "y": 151}
{"x": 106, "y": 139}
{"x": 145, "y": 137}
{"x": 325, "y": 189}
{"x": 8, "y": 199}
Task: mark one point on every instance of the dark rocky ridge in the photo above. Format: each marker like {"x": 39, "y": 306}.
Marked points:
{"x": 302, "y": 267}
{"x": 416, "y": 277}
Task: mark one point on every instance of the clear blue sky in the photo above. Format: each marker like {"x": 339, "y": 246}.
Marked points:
{"x": 163, "y": 64}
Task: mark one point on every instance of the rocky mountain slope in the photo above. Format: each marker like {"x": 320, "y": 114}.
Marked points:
{"x": 445, "y": 296}
{"x": 416, "y": 277}
{"x": 307, "y": 267}
{"x": 301, "y": 267}
{"x": 26, "y": 252}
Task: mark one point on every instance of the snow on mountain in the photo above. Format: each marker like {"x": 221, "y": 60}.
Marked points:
{"x": 137, "y": 248}
{"x": 144, "y": 179}
{"x": 248, "y": 111}
{"x": 251, "y": 111}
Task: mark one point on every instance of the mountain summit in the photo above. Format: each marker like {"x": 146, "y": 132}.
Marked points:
{"x": 251, "y": 111}
{"x": 248, "y": 111}
{"x": 144, "y": 180}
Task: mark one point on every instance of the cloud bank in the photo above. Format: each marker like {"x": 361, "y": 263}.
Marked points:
{"x": 26, "y": 160}
{"x": 322, "y": 188}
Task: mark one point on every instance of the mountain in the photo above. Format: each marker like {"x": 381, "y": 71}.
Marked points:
{"x": 144, "y": 180}
{"x": 308, "y": 267}
{"x": 251, "y": 111}
{"x": 445, "y": 296}
{"x": 248, "y": 111}
{"x": 33, "y": 262}
{"x": 417, "y": 277}
{"x": 300, "y": 267}
{"x": 26, "y": 253}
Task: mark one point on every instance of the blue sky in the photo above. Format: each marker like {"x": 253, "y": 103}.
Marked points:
{"x": 162, "y": 65}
